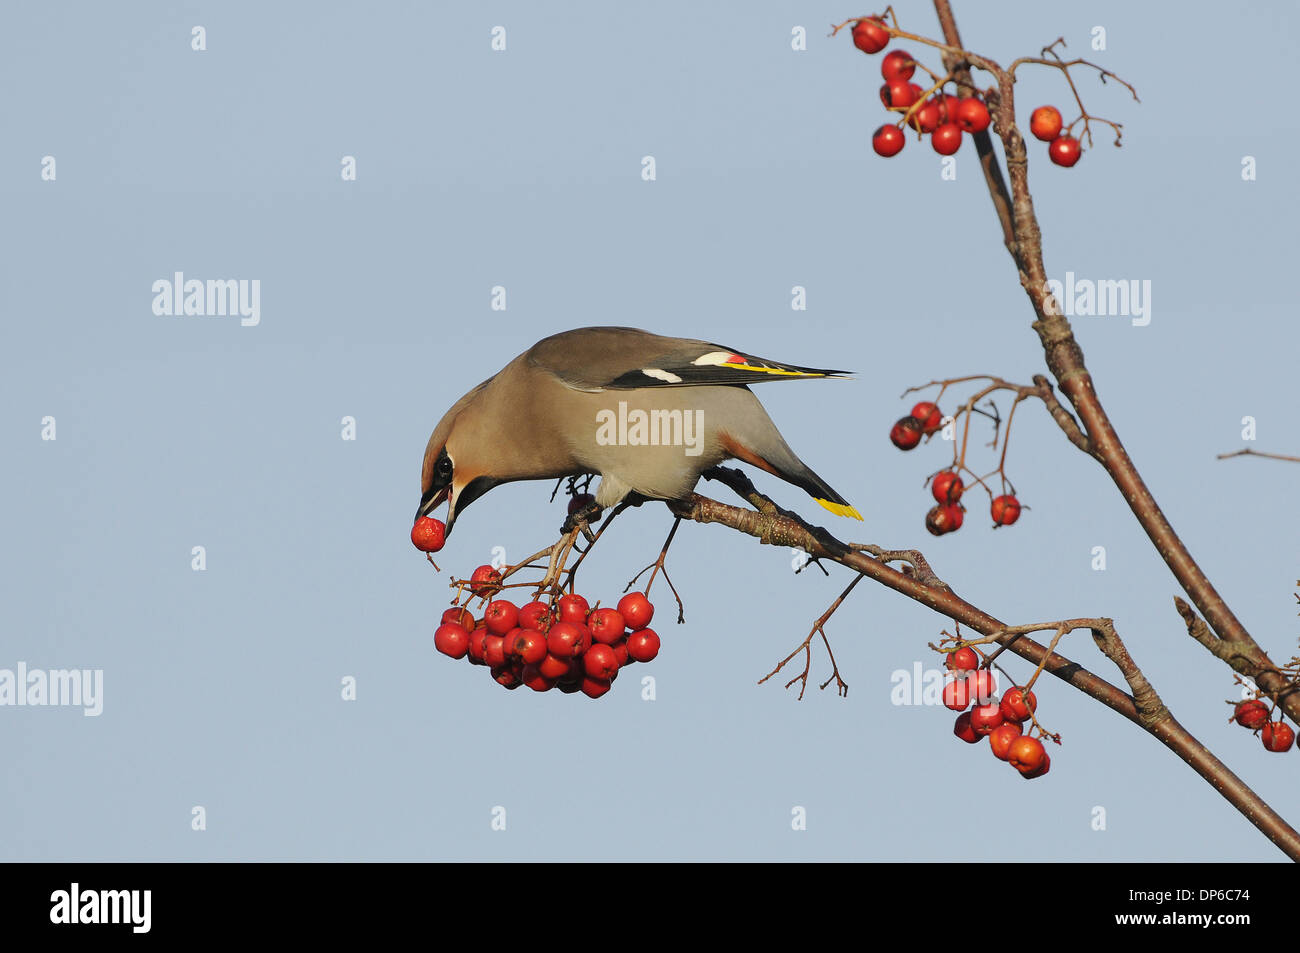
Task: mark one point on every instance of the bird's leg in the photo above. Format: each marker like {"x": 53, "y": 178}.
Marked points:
{"x": 560, "y": 551}
{"x": 658, "y": 567}
{"x": 582, "y": 553}
{"x": 581, "y": 518}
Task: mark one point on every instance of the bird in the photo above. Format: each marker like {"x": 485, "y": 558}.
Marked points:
{"x": 649, "y": 414}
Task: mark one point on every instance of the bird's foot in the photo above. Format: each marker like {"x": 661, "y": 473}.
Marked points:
{"x": 581, "y": 520}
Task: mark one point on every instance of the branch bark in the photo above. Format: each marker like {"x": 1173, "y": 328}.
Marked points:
{"x": 1065, "y": 360}
{"x": 771, "y": 524}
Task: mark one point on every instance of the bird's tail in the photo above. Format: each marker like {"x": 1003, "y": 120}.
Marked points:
{"x": 780, "y": 461}
{"x": 821, "y": 491}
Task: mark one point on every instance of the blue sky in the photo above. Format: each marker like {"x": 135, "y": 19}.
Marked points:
{"x": 522, "y": 169}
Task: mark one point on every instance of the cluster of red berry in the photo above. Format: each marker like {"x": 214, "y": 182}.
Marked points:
{"x": 1045, "y": 123}
{"x": 1002, "y": 722}
{"x": 943, "y": 117}
{"x": 565, "y": 645}
{"x": 947, "y": 487}
{"x": 1253, "y": 714}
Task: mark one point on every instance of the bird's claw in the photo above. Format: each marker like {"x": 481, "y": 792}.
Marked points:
{"x": 581, "y": 520}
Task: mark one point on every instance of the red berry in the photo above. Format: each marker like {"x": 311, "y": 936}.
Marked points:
{"x": 573, "y": 608}
{"x": 460, "y": 615}
{"x": 984, "y": 718}
{"x": 494, "y": 651}
{"x": 1065, "y": 151}
{"x": 927, "y": 119}
{"x": 946, "y": 139}
{"x": 643, "y": 645}
{"x": 1017, "y": 706}
{"x": 606, "y": 625}
{"x": 1277, "y": 736}
{"x": 478, "y": 645}
{"x": 565, "y": 641}
{"x": 620, "y": 653}
{"x": 1039, "y": 771}
{"x": 947, "y": 487}
{"x": 906, "y": 434}
{"x": 535, "y": 615}
{"x": 982, "y": 686}
{"x": 870, "y": 35}
{"x": 1005, "y": 510}
{"x": 1251, "y": 713}
{"x": 600, "y": 662}
{"x": 484, "y": 580}
{"x": 897, "y": 64}
{"x": 899, "y": 94}
{"x": 636, "y": 610}
{"x": 950, "y": 104}
{"x": 507, "y": 677}
{"x": 1045, "y": 123}
{"x": 451, "y": 639}
{"x": 500, "y": 616}
{"x": 553, "y": 667}
{"x": 963, "y": 730}
{"x": 594, "y": 687}
{"x": 580, "y": 501}
{"x": 1026, "y": 754}
{"x": 930, "y": 416}
{"x": 944, "y": 518}
{"x": 428, "y": 534}
{"x": 956, "y": 694}
{"x": 972, "y": 115}
{"x": 532, "y": 677}
{"x": 888, "y": 141}
{"x": 965, "y": 659}
{"x": 1001, "y": 737}
{"x": 527, "y": 645}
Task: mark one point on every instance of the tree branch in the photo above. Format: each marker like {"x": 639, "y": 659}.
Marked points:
{"x": 1255, "y": 453}
{"x": 1065, "y": 360}
{"x": 779, "y": 527}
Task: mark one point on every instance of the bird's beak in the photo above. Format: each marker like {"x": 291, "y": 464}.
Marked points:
{"x": 431, "y": 501}
{"x": 451, "y": 507}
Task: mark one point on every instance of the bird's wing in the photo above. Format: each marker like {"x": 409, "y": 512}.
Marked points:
{"x": 593, "y": 359}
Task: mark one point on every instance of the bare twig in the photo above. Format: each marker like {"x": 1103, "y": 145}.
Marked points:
{"x": 805, "y": 646}
{"x": 1256, "y": 453}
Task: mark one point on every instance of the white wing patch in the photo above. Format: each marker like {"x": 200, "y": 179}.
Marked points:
{"x": 665, "y": 376}
{"x": 713, "y": 358}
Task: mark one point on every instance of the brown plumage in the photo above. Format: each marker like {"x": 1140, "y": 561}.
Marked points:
{"x": 647, "y": 413}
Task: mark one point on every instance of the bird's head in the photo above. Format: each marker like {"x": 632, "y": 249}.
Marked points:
{"x": 453, "y": 468}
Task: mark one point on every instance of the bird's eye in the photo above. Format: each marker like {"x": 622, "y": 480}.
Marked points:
{"x": 444, "y": 467}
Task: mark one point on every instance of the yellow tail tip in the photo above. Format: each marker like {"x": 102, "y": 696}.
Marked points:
{"x": 840, "y": 509}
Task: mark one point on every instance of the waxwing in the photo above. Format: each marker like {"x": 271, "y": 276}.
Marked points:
{"x": 647, "y": 413}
